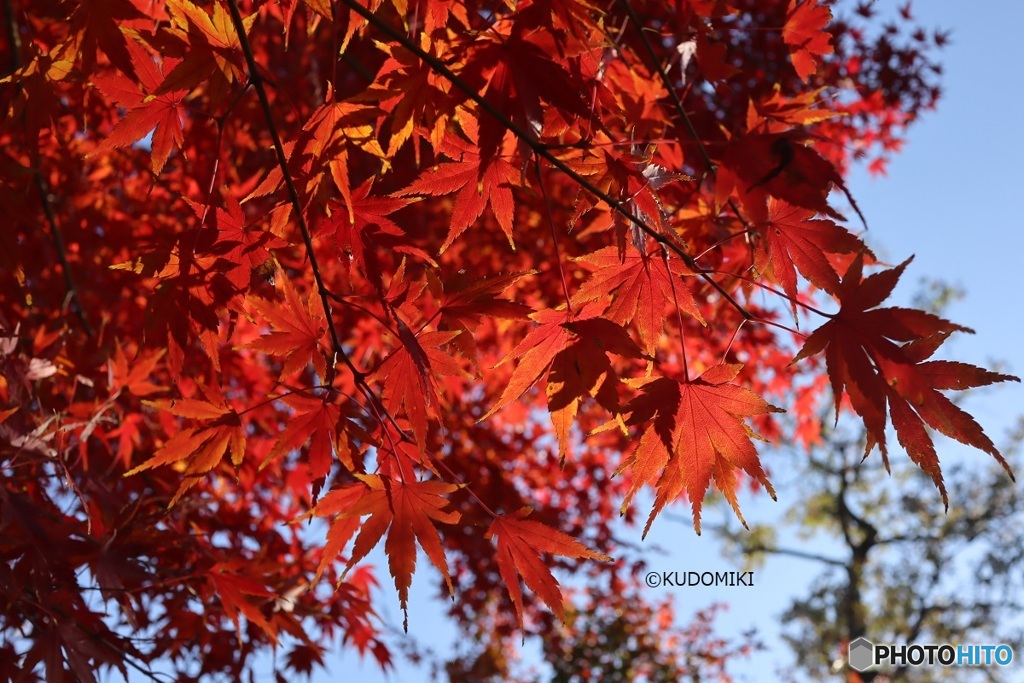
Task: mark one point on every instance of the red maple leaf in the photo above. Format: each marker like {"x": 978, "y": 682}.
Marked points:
{"x": 572, "y": 346}
{"x": 243, "y": 252}
{"x": 135, "y": 379}
{"x": 96, "y": 25}
{"x": 640, "y": 290}
{"x": 159, "y": 113}
{"x": 476, "y": 183}
{"x": 297, "y": 330}
{"x": 876, "y": 357}
{"x": 363, "y": 230}
{"x": 465, "y": 303}
{"x": 806, "y": 36}
{"x": 516, "y": 73}
{"x": 695, "y": 433}
{"x": 520, "y": 544}
{"x": 319, "y": 422}
{"x": 236, "y": 592}
{"x": 408, "y": 376}
{"x": 792, "y": 238}
{"x": 407, "y": 511}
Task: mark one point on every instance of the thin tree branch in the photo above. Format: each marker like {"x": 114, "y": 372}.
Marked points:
{"x": 540, "y": 149}
{"x": 359, "y": 377}
{"x": 690, "y": 128}
{"x": 14, "y": 40}
{"x": 792, "y": 552}
{"x": 554, "y": 235}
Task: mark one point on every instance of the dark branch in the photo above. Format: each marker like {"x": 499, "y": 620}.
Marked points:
{"x": 541, "y": 150}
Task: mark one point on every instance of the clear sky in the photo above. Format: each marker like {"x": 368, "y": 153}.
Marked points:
{"x": 951, "y": 198}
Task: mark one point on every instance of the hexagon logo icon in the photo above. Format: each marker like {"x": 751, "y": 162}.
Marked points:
{"x": 862, "y": 653}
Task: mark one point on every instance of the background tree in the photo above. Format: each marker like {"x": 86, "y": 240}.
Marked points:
{"x": 432, "y": 273}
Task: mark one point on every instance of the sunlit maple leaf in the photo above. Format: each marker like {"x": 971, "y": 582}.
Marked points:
{"x": 319, "y": 422}
{"x": 572, "y": 347}
{"x": 328, "y": 136}
{"x": 213, "y": 45}
{"x": 414, "y": 94}
{"x": 407, "y": 511}
{"x": 875, "y": 356}
{"x": 694, "y": 431}
{"x": 806, "y": 36}
{"x": 363, "y": 230}
{"x": 796, "y": 110}
{"x": 235, "y": 592}
{"x": 640, "y": 290}
{"x": 476, "y": 184}
{"x": 790, "y": 237}
{"x": 408, "y": 375}
{"x": 520, "y": 544}
{"x": 196, "y": 451}
{"x": 159, "y": 113}
{"x": 296, "y": 330}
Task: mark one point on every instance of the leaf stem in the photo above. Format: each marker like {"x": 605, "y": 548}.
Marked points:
{"x": 679, "y": 314}
{"x": 720, "y": 242}
{"x": 771, "y": 289}
{"x": 554, "y": 235}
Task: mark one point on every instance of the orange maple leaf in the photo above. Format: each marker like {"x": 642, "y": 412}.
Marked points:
{"x": 696, "y": 434}
{"x": 297, "y": 328}
{"x": 639, "y": 287}
{"x": 520, "y": 543}
{"x": 198, "y": 449}
{"x": 876, "y": 357}
{"x": 407, "y": 511}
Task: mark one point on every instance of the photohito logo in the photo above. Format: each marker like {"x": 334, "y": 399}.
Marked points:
{"x": 864, "y": 655}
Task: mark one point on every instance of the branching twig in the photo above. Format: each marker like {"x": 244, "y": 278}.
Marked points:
{"x": 799, "y": 554}
{"x": 678, "y": 103}
{"x": 540, "y": 149}
{"x": 359, "y": 377}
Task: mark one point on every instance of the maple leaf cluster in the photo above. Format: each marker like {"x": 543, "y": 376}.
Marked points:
{"x": 291, "y": 280}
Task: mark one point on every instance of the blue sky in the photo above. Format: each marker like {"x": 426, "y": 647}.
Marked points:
{"x": 950, "y": 199}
